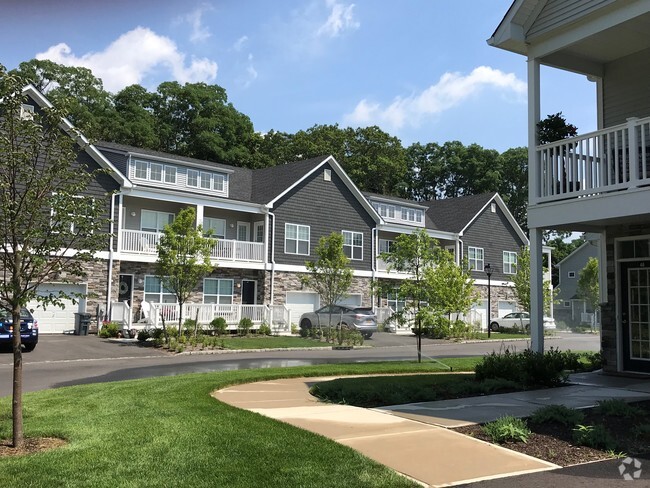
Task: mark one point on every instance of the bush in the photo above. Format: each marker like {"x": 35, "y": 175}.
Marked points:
{"x": 436, "y": 328}
{"x": 507, "y": 428}
{"x": 143, "y": 335}
{"x": 557, "y": 413}
{"x": 219, "y": 325}
{"x": 295, "y": 330}
{"x": 264, "y": 330}
{"x": 597, "y": 437}
{"x": 156, "y": 334}
{"x": 618, "y": 408}
{"x": 172, "y": 332}
{"x": 189, "y": 326}
{"x": 111, "y": 329}
{"x": 245, "y": 325}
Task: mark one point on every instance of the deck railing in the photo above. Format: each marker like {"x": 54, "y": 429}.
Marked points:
{"x": 143, "y": 242}
{"x": 612, "y": 159}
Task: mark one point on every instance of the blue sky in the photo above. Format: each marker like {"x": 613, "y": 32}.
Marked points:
{"x": 419, "y": 69}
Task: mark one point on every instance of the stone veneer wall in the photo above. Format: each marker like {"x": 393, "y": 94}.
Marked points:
{"x": 497, "y": 293}
{"x": 285, "y": 281}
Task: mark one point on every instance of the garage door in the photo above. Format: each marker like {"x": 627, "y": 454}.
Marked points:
{"x": 351, "y": 300}
{"x": 57, "y": 319}
{"x": 506, "y": 307}
{"x": 301, "y": 302}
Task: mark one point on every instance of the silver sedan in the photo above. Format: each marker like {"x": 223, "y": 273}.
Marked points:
{"x": 360, "y": 319}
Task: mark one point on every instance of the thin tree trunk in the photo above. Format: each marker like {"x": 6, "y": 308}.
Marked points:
{"x": 180, "y": 319}
{"x": 17, "y": 401}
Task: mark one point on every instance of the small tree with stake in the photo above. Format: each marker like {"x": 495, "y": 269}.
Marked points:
{"x": 183, "y": 257}
{"x": 50, "y": 231}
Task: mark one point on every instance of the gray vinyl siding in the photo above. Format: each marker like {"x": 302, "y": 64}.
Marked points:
{"x": 493, "y": 233}
{"x": 576, "y": 263}
{"x": 626, "y": 88}
{"x": 558, "y": 13}
{"x": 101, "y": 187}
{"x": 119, "y": 160}
{"x": 326, "y": 207}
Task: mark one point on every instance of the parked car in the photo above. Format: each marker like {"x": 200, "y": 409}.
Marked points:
{"x": 360, "y": 319}
{"x": 518, "y": 320}
{"x": 28, "y": 329}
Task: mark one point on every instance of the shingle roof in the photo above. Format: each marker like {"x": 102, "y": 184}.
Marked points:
{"x": 453, "y": 214}
{"x": 270, "y": 182}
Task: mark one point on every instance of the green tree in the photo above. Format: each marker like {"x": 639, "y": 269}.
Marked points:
{"x": 521, "y": 282}
{"x": 450, "y": 287}
{"x": 513, "y": 184}
{"x": 588, "y": 284}
{"x": 329, "y": 275}
{"x": 413, "y": 254}
{"x": 134, "y": 123}
{"x": 50, "y": 231}
{"x": 562, "y": 247}
{"x": 426, "y": 172}
{"x": 554, "y": 128}
{"x": 183, "y": 257}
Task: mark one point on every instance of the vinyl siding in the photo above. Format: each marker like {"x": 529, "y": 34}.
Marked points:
{"x": 626, "y": 88}
{"x": 493, "y": 233}
{"x": 576, "y": 262}
{"x": 326, "y": 207}
{"x": 558, "y": 13}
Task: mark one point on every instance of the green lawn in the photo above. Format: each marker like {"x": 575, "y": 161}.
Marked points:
{"x": 270, "y": 342}
{"x": 170, "y": 432}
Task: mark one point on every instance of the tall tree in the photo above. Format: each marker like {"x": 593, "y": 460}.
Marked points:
{"x": 450, "y": 287}
{"x": 50, "y": 231}
{"x": 134, "y": 123}
{"x": 521, "y": 282}
{"x": 183, "y": 257}
{"x": 513, "y": 184}
{"x": 554, "y": 128}
{"x": 427, "y": 172}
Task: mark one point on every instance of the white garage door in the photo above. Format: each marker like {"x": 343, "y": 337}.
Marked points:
{"x": 480, "y": 312}
{"x": 301, "y": 302}
{"x": 506, "y": 307}
{"x": 57, "y": 319}
{"x": 351, "y": 300}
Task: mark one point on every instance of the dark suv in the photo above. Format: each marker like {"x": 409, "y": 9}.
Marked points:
{"x": 28, "y": 329}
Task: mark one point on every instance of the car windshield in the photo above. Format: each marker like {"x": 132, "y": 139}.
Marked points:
{"x": 24, "y": 314}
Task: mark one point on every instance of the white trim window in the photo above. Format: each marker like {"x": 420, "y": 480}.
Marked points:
{"x": 214, "y": 227}
{"x": 385, "y": 210}
{"x": 476, "y": 258}
{"x": 412, "y": 215}
{"x": 206, "y": 181}
{"x": 141, "y": 169}
{"x": 219, "y": 291}
{"x": 571, "y": 274}
{"x": 509, "y": 262}
{"x": 258, "y": 231}
{"x": 153, "y": 221}
{"x": 385, "y": 246}
{"x": 193, "y": 178}
{"x": 155, "y": 172}
{"x": 296, "y": 239}
{"x": 219, "y": 182}
{"x": 154, "y": 291}
{"x": 170, "y": 175}
{"x": 353, "y": 245}
{"x": 83, "y": 207}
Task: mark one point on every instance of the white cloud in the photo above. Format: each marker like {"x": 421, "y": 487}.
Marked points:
{"x": 341, "y": 18}
{"x": 451, "y": 90}
{"x": 239, "y": 43}
{"x": 134, "y": 55}
{"x": 200, "y": 32}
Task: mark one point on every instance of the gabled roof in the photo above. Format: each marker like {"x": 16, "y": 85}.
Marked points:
{"x": 580, "y": 249}
{"x": 69, "y": 129}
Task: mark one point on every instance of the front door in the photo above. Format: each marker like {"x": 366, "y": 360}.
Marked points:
{"x": 635, "y": 315}
{"x": 125, "y": 289}
{"x": 248, "y": 292}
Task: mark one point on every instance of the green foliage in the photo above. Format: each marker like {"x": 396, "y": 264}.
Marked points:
{"x": 597, "y": 437}
{"x": 521, "y": 282}
{"x": 245, "y": 325}
{"x": 219, "y": 325}
{"x": 264, "y": 329}
{"x": 449, "y": 287}
{"x": 172, "y": 332}
{"x": 529, "y": 368}
{"x": 554, "y": 128}
{"x": 558, "y": 414}
{"x": 110, "y": 330}
{"x": 588, "y": 284}
{"x": 616, "y": 407}
{"x": 189, "y": 326}
{"x": 507, "y": 428}
{"x": 143, "y": 335}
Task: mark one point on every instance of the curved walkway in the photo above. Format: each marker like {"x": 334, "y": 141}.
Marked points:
{"x": 421, "y": 450}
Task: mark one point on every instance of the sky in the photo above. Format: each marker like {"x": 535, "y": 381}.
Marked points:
{"x": 421, "y": 70}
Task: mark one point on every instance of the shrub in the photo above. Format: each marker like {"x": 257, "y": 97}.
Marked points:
{"x": 461, "y": 330}
{"x": 111, "y": 329}
{"x": 597, "y": 437}
{"x": 189, "y": 326}
{"x": 143, "y": 335}
{"x": 295, "y": 330}
{"x": 172, "y": 332}
{"x": 245, "y": 325}
{"x": 618, "y": 408}
{"x": 436, "y": 328}
{"x": 156, "y": 333}
{"x": 557, "y": 413}
{"x": 219, "y": 325}
{"x": 507, "y": 428}
{"x": 264, "y": 329}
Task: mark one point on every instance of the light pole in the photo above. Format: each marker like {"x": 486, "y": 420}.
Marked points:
{"x": 488, "y": 272}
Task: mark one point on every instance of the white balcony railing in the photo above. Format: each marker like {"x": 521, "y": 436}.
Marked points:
{"x": 143, "y": 242}
{"x": 612, "y": 159}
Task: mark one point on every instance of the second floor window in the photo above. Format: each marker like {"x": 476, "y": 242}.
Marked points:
{"x": 412, "y": 215}
{"x": 152, "y": 221}
{"x": 385, "y": 210}
{"x": 353, "y": 244}
{"x": 296, "y": 239}
{"x": 509, "y": 262}
{"x": 476, "y": 258}
{"x": 214, "y": 227}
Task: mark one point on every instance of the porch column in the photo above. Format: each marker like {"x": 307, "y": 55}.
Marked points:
{"x": 534, "y": 187}
{"x": 536, "y": 291}
{"x": 199, "y": 215}
{"x": 549, "y": 276}
{"x": 602, "y": 267}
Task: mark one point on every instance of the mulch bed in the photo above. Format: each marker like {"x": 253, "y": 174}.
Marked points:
{"x": 554, "y": 443}
{"x": 32, "y": 445}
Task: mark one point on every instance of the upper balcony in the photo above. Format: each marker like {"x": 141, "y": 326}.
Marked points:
{"x": 593, "y": 180}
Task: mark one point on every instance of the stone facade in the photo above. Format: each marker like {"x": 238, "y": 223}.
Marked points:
{"x": 497, "y": 294}
{"x": 285, "y": 282}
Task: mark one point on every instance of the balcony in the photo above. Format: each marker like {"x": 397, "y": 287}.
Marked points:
{"x": 146, "y": 243}
{"x": 609, "y": 160}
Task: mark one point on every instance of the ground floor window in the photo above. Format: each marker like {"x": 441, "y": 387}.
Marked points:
{"x": 216, "y": 290}
{"x": 154, "y": 291}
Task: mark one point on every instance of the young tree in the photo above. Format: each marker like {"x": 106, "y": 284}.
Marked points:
{"x": 183, "y": 257}
{"x": 50, "y": 231}
{"x": 329, "y": 275}
{"x": 521, "y": 281}
{"x": 413, "y": 254}
{"x": 450, "y": 286}
{"x": 588, "y": 286}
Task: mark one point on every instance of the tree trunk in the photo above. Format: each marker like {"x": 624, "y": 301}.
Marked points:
{"x": 180, "y": 320}
{"x": 17, "y": 402}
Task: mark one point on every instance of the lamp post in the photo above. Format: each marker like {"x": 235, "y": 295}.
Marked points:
{"x": 488, "y": 272}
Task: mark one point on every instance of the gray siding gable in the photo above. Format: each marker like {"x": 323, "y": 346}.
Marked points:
{"x": 575, "y": 262}
{"x": 326, "y": 207}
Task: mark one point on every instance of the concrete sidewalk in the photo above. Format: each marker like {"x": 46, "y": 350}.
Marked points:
{"x": 414, "y": 439}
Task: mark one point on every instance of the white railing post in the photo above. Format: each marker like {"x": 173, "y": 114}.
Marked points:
{"x": 633, "y": 150}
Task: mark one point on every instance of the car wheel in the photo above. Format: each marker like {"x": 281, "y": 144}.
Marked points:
{"x": 366, "y": 335}
{"x": 305, "y": 324}
{"x": 494, "y": 327}
{"x": 29, "y": 347}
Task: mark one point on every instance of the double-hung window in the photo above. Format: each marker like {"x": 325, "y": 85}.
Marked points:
{"x": 217, "y": 291}
{"x": 214, "y": 227}
{"x": 385, "y": 210}
{"x": 206, "y": 180}
{"x": 509, "y": 262}
{"x": 141, "y": 169}
{"x": 353, "y": 244}
{"x": 412, "y": 215}
{"x": 154, "y": 291}
{"x": 152, "y": 221}
{"x": 218, "y": 182}
{"x": 475, "y": 257}
{"x": 155, "y": 172}
{"x": 296, "y": 239}
{"x": 170, "y": 174}
{"x": 192, "y": 178}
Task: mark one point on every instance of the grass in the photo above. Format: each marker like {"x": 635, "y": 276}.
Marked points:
{"x": 269, "y": 342}
{"x": 169, "y": 432}
{"x": 501, "y": 336}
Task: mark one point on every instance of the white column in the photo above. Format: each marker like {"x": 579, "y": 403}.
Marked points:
{"x": 533, "y": 119}
{"x": 199, "y": 215}
{"x": 536, "y": 291}
{"x": 549, "y": 276}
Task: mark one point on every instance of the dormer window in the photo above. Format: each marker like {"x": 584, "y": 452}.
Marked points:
{"x": 385, "y": 210}
{"x": 26, "y": 112}
{"x": 412, "y": 215}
